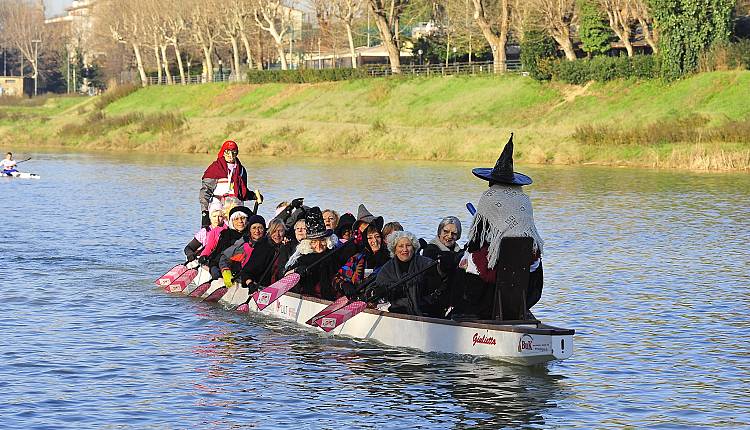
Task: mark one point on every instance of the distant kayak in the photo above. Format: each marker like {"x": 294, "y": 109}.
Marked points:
{"x": 21, "y": 175}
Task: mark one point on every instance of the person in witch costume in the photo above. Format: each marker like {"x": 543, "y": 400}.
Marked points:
{"x": 318, "y": 258}
{"x": 503, "y": 210}
{"x": 225, "y": 177}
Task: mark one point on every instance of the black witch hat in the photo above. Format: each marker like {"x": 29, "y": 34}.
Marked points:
{"x": 316, "y": 227}
{"x": 503, "y": 170}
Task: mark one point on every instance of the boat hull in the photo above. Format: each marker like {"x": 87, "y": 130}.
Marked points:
{"x": 525, "y": 343}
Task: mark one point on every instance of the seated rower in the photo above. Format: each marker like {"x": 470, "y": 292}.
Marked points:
{"x": 425, "y": 295}
{"x": 237, "y": 256}
{"x": 316, "y": 260}
{"x": 216, "y": 213}
{"x": 389, "y": 228}
{"x": 364, "y": 263}
{"x": 216, "y": 244}
{"x": 343, "y": 229}
{"x": 331, "y": 218}
{"x": 445, "y": 244}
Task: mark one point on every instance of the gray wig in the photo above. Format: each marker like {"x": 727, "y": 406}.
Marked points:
{"x": 396, "y": 235}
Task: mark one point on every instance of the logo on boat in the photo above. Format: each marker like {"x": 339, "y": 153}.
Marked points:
{"x": 164, "y": 282}
{"x": 526, "y": 344}
{"x": 175, "y": 288}
{"x": 264, "y": 298}
{"x": 487, "y": 340}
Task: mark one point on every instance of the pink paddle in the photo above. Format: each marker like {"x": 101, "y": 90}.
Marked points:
{"x": 340, "y": 316}
{"x": 170, "y": 276}
{"x": 202, "y": 288}
{"x": 182, "y": 281}
{"x": 216, "y": 295}
{"x": 272, "y": 292}
{"x": 336, "y": 305}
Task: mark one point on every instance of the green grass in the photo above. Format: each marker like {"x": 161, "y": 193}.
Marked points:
{"x": 696, "y": 122}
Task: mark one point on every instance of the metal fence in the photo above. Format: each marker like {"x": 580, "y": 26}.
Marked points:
{"x": 473, "y": 68}
{"x": 467, "y": 69}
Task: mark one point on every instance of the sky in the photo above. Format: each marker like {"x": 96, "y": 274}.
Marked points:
{"x": 56, "y": 7}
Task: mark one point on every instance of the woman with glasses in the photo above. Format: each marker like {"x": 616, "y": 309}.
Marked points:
{"x": 225, "y": 177}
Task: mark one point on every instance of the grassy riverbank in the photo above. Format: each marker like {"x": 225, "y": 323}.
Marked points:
{"x": 702, "y": 122}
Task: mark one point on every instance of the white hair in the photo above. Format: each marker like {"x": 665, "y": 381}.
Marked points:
{"x": 394, "y": 237}
{"x": 305, "y": 248}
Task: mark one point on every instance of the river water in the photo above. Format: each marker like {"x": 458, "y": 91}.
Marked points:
{"x": 649, "y": 267}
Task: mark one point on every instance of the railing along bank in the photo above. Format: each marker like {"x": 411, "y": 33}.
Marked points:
{"x": 379, "y": 70}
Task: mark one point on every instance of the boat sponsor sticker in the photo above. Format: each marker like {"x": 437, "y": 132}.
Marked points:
{"x": 264, "y": 298}
{"x": 527, "y": 344}
{"x": 175, "y": 288}
{"x": 487, "y": 340}
{"x": 164, "y": 282}
{"x": 328, "y": 323}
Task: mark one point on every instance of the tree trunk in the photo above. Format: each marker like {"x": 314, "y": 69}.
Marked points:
{"x": 496, "y": 41}
{"x": 390, "y": 42}
{"x": 562, "y": 37}
{"x": 248, "y": 51}
{"x": 208, "y": 62}
{"x": 235, "y": 58}
{"x": 649, "y": 36}
{"x": 179, "y": 63}
{"x": 282, "y": 54}
{"x": 139, "y": 61}
{"x": 159, "y": 72}
{"x": 352, "y": 51}
{"x": 165, "y": 61}
{"x": 259, "y": 46}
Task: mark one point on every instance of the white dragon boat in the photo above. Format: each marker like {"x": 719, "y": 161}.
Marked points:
{"x": 518, "y": 342}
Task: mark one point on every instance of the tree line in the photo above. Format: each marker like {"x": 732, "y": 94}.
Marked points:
{"x": 163, "y": 37}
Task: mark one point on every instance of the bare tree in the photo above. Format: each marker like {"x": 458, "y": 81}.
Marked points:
{"x": 620, "y": 14}
{"x": 124, "y": 21}
{"x": 274, "y": 17}
{"x": 23, "y": 28}
{"x": 205, "y": 32}
{"x": 556, "y": 17}
{"x": 174, "y": 27}
{"x": 387, "y": 14}
{"x": 493, "y": 18}
{"x": 347, "y": 11}
{"x": 646, "y": 21}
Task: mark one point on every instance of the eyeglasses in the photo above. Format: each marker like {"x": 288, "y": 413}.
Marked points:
{"x": 229, "y": 151}
{"x": 452, "y": 233}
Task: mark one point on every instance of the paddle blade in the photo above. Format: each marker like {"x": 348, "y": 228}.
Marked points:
{"x": 167, "y": 278}
{"x": 243, "y": 308}
{"x": 216, "y": 295}
{"x": 202, "y": 288}
{"x": 182, "y": 281}
{"x": 336, "y": 305}
{"x": 340, "y": 316}
{"x": 272, "y": 292}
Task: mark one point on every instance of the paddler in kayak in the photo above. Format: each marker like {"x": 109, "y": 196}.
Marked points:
{"x": 9, "y": 164}
{"x": 503, "y": 210}
{"x": 225, "y": 177}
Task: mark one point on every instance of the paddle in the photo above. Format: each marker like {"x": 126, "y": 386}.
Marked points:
{"x": 269, "y": 294}
{"x": 182, "y": 281}
{"x": 23, "y": 161}
{"x": 167, "y": 278}
{"x": 342, "y": 301}
{"x": 258, "y": 201}
{"x": 336, "y": 318}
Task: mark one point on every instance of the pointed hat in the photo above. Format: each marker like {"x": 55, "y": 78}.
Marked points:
{"x": 503, "y": 170}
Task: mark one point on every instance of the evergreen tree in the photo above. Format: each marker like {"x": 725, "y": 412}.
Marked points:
{"x": 687, "y": 28}
{"x": 594, "y": 32}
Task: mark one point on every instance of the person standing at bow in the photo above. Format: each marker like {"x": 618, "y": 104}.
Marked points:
{"x": 225, "y": 177}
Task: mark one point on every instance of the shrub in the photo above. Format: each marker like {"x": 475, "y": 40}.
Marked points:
{"x": 301, "y": 76}
{"x": 604, "y": 69}
{"x": 537, "y": 51}
{"x": 115, "y": 94}
{"x": 162, "y": 122}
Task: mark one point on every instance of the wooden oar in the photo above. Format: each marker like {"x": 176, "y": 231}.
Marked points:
{"x": 336, "y": 318}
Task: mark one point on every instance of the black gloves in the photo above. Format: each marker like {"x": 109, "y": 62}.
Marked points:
{"x": 205, "y": 219}
{"x": 255, "y": 195}
{"x": 297, "y": 203}
{"x": 301, "y": 270}
{"x": 203, "y": 260}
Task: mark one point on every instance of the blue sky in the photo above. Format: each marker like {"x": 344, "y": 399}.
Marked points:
{"x": 56, "y": 7}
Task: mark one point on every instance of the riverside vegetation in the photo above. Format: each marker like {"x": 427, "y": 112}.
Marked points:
{"x": 700, "y": 122}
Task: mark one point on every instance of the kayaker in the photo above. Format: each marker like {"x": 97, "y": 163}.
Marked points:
{"x": 503, "y": 210}
{"x": 425, "y": 295}
{"x": 225, "y": 177}
{"x": 9, "y": 164}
